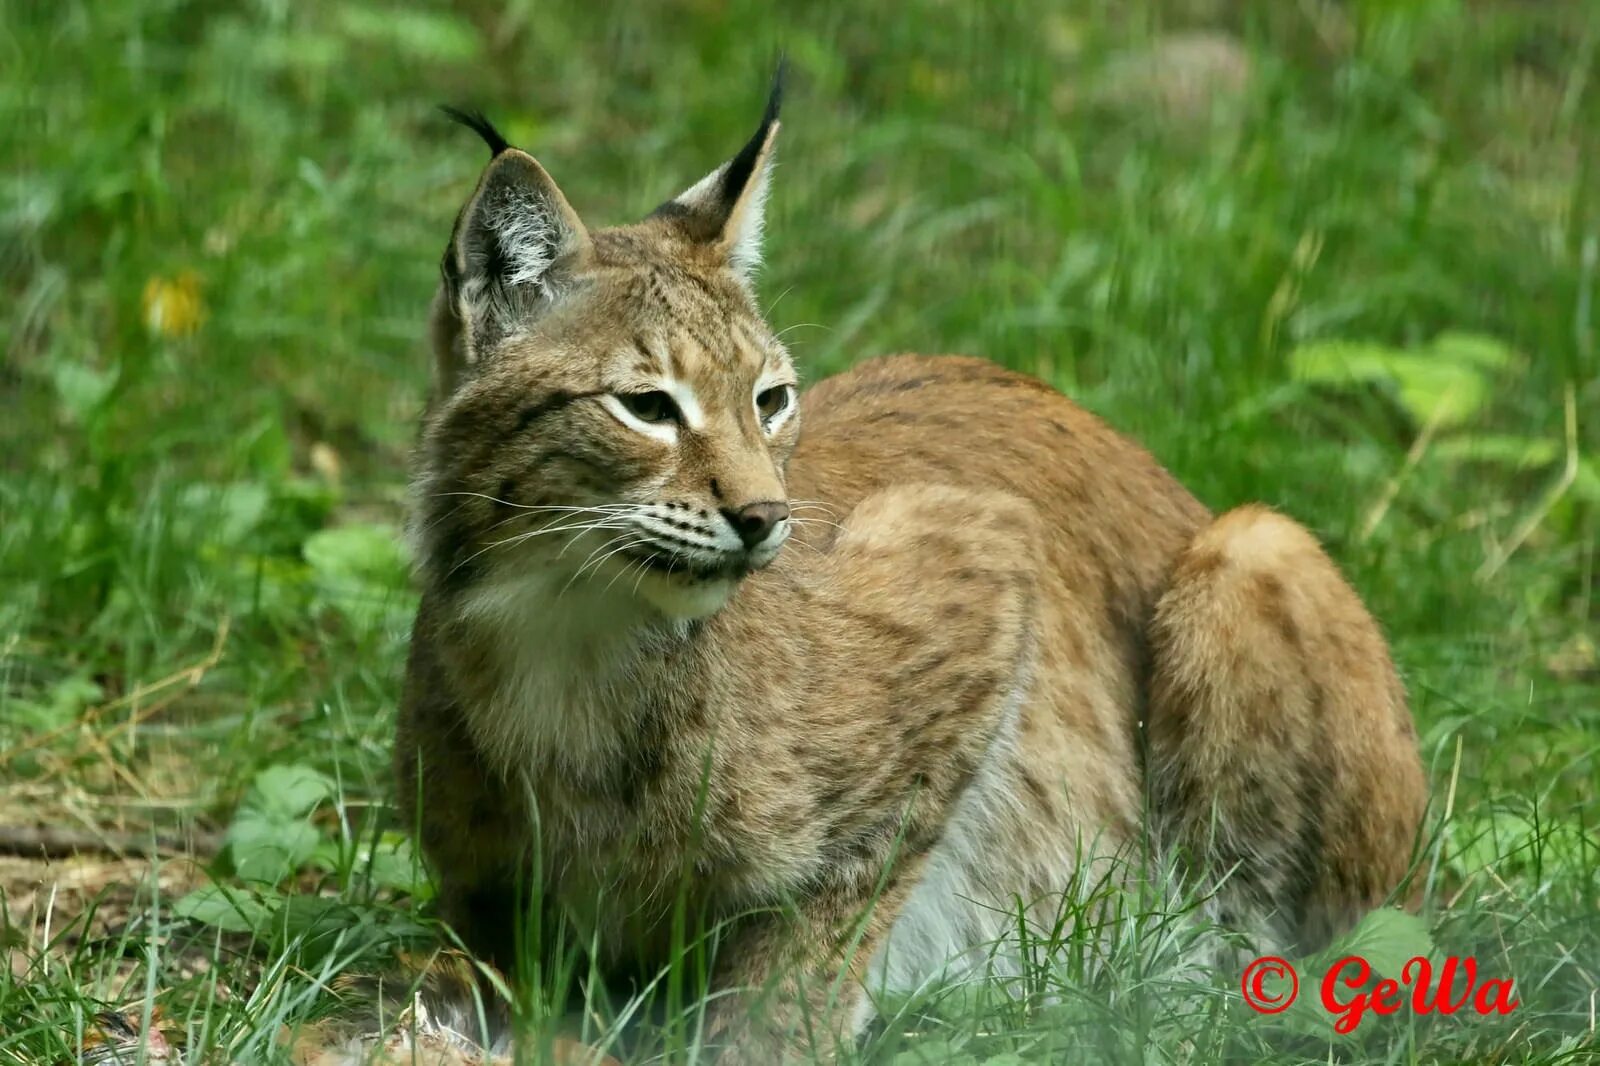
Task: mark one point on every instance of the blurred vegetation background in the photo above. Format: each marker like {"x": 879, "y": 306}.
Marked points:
{"x": 1341, "y": 257}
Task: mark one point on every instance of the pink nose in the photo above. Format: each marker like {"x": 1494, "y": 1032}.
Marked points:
{"x": 754, "y": 521}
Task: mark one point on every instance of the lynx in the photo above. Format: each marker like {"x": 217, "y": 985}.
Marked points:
{"x": 854, "y": 693}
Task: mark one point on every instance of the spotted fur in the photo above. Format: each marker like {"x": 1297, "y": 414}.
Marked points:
{"x": 933, "y": 693}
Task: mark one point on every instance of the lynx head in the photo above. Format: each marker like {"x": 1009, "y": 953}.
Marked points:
{"x": 610, "y": 408}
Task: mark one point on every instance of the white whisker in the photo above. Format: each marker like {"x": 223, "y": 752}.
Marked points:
{"x": 592, "y": 563}
{"x": 800, "y": 325}
{"x": 627, "y": 527}
{"x": 577, "y": 527}
{"x": 641, "y": 563}
{"x": 817, "y": 522}
{"x": 598, "y": 563}
{"x": 644, "y": 568}
{"x": 605, "y": 508}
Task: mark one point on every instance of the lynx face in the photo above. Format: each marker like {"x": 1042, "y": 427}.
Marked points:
{"x": 611, "y": 407}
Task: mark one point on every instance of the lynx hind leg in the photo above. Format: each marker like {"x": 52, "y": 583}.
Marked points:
{"x": 1284, "y": 769}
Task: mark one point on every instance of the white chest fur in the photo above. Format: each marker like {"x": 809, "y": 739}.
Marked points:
{"x": 568, "y": 665}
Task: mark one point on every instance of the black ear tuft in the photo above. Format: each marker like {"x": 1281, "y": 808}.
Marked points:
{"x": 475, "y": 122}
{"x": 737, "y": 175}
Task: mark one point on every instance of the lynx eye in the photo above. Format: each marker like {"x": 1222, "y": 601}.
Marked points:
{"x": 772, "y": 402}
{"x": 652, "y": 406}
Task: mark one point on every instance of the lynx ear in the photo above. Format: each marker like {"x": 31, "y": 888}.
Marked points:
{"x": 516, "y": 243}
{"x": 725, "y": 209}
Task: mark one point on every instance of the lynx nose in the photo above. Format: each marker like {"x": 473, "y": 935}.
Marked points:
{"x": 754, "y": 521}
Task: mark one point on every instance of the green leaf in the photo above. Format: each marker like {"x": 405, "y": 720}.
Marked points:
{"x": 393, "y": 863}
{"x": 81, "y": 388}
{"x": 1496, "y": 842}
{"x": 396, "y": 865}
{"x": 1499, "y": 449}
{"x": 357, "y": 553}
{"x": 1387, "y": 939}
{"x": 62, "y": 703}
{"x": 305, "y": 51}
{"x": 1446, "y": 383}
{"x": 321, "y": 924}
{"x": 267, "y": 849}
{"x": 230, "y": 513}
{"x": 1474, "y": 349}
{"x": 270, "y": 836}
{"x": 1587, "y": 484}
{"x": 361, "y": 570}
{"x": 233, "y": 910}
{"x": 1433, "y": 391}
{"x": 1341, "y": 362}
{"x": 290, "y": 791}
{"x": 423, "y": 35}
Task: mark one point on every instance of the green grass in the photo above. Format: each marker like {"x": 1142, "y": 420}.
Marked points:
{"x": 1354, "y": 275}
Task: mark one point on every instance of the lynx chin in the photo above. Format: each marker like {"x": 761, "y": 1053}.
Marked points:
{"x": 865, "y": 673}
